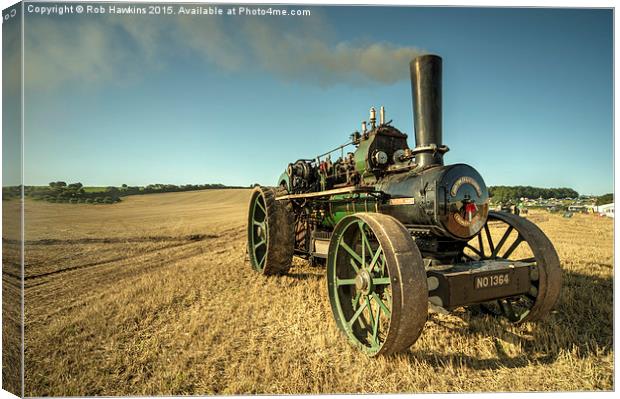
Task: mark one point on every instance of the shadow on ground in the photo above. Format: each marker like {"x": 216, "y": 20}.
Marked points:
{"x": 581, "y": 324}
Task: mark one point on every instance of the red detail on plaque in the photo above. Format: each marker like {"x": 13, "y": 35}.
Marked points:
{"x": 470, "y": 210}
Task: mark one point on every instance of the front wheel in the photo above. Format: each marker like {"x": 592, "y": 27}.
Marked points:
{"x": 376, "y": 283}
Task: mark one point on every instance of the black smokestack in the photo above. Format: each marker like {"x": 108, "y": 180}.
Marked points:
{"x": 426, "y": 92}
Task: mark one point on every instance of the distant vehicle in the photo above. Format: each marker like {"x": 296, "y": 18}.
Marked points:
{"x": 510, "y": 208}
{"x": 606, "y": 210}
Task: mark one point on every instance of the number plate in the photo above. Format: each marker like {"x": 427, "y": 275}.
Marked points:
{"x": 491, "y": 281}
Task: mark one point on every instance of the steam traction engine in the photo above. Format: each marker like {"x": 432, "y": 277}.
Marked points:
{"x": 400, "y": 232}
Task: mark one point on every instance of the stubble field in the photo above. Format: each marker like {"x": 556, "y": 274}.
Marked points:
{"x": 153, "y": 296}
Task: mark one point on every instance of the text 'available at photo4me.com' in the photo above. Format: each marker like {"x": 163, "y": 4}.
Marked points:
{"x": 164, "y": 9}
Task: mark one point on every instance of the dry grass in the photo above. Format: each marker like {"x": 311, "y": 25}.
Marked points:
{"x": 153, "y": 296}
{"x": 11, "y": 298}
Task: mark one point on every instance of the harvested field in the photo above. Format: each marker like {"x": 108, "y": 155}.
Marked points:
{"x": 153, "y": 296}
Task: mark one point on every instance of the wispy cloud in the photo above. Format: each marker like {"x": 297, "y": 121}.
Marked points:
{"x": 100, "y": 50}
{"x": 92, "y": 51}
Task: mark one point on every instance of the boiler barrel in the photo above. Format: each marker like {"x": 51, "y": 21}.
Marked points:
{"x": 451, "y": 201}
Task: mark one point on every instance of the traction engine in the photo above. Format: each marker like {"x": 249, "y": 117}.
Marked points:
{"x": 400, "y": 232}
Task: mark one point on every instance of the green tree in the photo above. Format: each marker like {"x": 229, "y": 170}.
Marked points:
{"x": 513, "y": 193}
{"x": 605, "y": 199}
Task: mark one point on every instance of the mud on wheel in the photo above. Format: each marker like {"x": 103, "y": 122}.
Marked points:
{"x": 270, "y": 232}
{"x": 376, "y": 283}
{"x": 511, "y": 237}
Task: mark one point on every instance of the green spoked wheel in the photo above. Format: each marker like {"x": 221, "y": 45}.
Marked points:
{"x": 270, "y": 232}
{"x": 511, "y": 237}
{"x": 376, "y": 283}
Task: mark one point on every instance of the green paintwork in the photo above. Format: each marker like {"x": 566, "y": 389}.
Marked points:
{"x": 347, "y": 204}
{"x": 361, "y": 154}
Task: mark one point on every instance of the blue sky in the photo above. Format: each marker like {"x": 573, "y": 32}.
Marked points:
{"x": 179, "y": 99}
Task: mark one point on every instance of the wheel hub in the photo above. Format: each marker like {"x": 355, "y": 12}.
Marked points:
{"x": 363, "y": 281}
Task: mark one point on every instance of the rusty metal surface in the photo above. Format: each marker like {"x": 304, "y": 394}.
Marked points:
{"x": 457, "y": 285}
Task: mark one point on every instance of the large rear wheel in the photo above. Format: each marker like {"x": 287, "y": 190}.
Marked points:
{"x": 270, "y": 232}
{"x": 511, "y": 237}
{"x": 377, "y": 283}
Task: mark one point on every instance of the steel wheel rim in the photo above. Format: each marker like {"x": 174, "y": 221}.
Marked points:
{"x": 544, "y": 273}
{"x": 361, "y": 292}
{"x": 259, "y": 232}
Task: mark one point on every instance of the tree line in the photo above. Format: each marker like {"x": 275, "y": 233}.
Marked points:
{"x": 76, "y": 193}
{"x": 60, "y": 191}
{"x": 605, "y": 199}
{"x": 513, "y": 193}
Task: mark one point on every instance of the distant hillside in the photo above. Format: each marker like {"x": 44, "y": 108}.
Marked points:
{"x": 76, "y": 193}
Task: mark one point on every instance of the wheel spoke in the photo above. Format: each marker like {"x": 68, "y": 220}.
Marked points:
{"x": 257, "y": 223}
{"x": 355, "y": 267}
{"x": 351, "y": 252}
{"x": 475, "y": 250}
{"x": 480, "y": 245}
{"x": 372, "y": 317}
{"x": 501, "y": 242}
{"x": 356, "y": 299}
{"x": 373, "y": 263}
{"x": 261, "y": 206}
{"x": 381, "y": 304}
{"x": 381, "y": 281}
{"x": 260, "y": 264}
{"x": 345, "y": 281}
{"x": 259, "y": 244}
{"x": 357, "y": 313}
{"x": 364, "y": 241}
{"x": 489, "y": 239}
{"x": 512, "y": 248}
{"x": 375, "y": 331}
